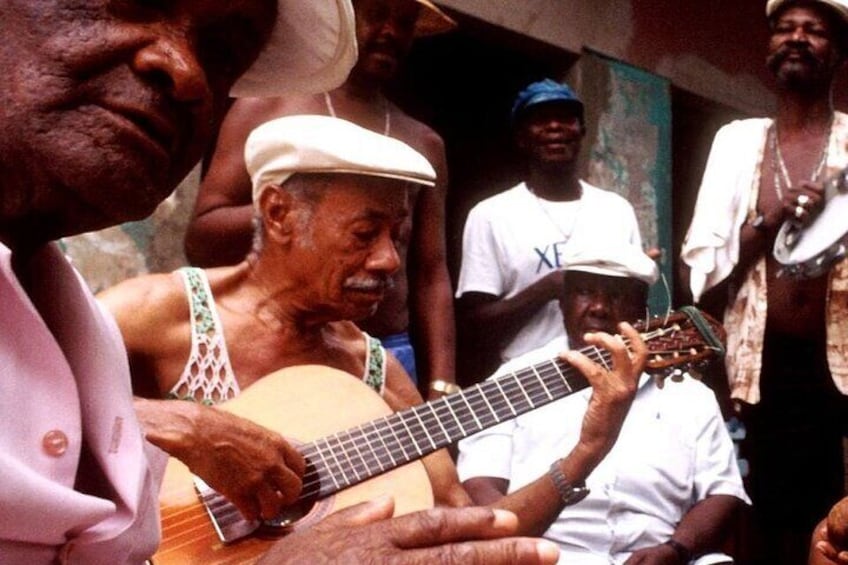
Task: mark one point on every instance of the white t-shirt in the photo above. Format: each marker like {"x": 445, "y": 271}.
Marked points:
{"x": 513, "y": 238}
{"x": 673, "y": 451}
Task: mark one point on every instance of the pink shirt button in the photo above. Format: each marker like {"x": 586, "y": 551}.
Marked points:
{"x": 55, "y": 443}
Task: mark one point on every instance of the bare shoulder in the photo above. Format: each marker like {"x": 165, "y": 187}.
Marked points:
{"x": 400, "y": 392}
{"x": 250, "y": 112}
{"x": 145, "y": 303}
{"x": 418, "y": 135}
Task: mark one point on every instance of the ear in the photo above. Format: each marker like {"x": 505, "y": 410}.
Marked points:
{"x": 275, "y": 211}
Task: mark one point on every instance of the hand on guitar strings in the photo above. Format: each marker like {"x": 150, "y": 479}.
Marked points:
{"x": 613, "y": 389}
{"x": 253, "y": 467}
{"x": 366, "y": 534}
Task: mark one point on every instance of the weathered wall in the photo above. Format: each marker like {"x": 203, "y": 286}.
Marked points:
{"x": 715, "y": 49}
{"x": 152, "y": 245}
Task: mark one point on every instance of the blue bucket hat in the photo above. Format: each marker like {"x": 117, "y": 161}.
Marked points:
{"x": 544, "y": 91}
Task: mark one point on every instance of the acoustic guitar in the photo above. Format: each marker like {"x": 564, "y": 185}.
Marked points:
{"x": 378, "y": 450}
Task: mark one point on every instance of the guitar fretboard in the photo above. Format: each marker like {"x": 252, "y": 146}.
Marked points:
{"x": 357, "y": 454}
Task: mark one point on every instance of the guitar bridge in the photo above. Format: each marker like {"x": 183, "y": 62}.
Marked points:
{"x": 228, "y": 522}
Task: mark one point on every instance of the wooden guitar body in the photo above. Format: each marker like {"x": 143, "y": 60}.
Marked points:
{"x": 301, "y": 403}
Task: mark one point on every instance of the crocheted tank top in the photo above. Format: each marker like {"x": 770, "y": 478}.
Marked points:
{"x": 208, "y": 376}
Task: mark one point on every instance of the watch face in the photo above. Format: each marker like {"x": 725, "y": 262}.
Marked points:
{"x": 577, "y": 494}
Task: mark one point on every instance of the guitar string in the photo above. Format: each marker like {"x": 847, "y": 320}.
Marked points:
{"x": 358, "y": 436}
{"x": 539, "y": 396}
{"x": 537, "y": 387}
{"x": 530, "y": 381}
{"x": 544, "y": 392}
{"x": 534, "y": 376}
{"x": 503, "y": 407}
{"x": 418, "y": 437}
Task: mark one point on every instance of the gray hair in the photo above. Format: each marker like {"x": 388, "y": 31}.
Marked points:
{"x": 307, "y": 189}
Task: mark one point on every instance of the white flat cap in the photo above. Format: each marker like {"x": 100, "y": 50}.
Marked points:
{"x": 841, "y": 7}
{"x": 311, "y": 49}
{"x": 320, "y": 144}
{"x": 621, "y": 260}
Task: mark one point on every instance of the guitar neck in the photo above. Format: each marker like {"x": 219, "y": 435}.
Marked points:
{"x": 352, "y": 456}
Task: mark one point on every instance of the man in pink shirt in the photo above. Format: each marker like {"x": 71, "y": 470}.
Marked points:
{"x": 106, "y": 105}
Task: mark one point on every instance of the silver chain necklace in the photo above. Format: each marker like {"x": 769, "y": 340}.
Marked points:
{"x": 386, "y": 129}
{"x": 781, "y": 172}
{"x": 565, "y": 235}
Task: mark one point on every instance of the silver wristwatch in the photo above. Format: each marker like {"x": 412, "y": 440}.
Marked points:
{"x": 570, "y": 493}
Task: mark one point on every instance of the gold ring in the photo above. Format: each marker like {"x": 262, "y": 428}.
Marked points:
{"x": 799, "y": 211}
{"x": 802, "y": 200}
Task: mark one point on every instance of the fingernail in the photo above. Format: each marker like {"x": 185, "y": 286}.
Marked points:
{"x": 504, "y": 518}
{"x": 547, "y": 551}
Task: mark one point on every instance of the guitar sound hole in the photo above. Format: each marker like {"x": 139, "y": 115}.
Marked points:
{"x": 303, "y": 513}
{"x": 286, "y": 521}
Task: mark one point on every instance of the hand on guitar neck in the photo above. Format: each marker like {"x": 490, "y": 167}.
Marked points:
{"x": 612, "y": 393}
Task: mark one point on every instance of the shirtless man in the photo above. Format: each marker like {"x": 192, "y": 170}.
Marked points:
{"x": 420, "y": 301}
{"x": 786, "y": 339}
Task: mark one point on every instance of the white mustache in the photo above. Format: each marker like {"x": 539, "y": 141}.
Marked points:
{"x": 369, "y": 284}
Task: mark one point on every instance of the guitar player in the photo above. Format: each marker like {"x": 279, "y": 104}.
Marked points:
{"x": 330, "y": 199}
{"x": 669, "y": 488}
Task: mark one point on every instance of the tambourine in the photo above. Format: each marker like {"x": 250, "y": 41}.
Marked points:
{"x": 806, "y": 252}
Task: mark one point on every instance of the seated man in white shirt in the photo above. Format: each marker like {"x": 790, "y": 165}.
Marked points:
{"x": 670, "y": 487}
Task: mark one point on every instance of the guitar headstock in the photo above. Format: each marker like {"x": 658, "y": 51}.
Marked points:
{"x": 685, "y": 340}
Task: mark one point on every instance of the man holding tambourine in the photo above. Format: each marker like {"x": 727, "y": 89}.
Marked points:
{"x": 757, "y": 239}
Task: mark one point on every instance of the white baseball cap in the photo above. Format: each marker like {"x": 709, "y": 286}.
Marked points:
{"x": 280, "y": 148}
{"x": 311, "y": 49}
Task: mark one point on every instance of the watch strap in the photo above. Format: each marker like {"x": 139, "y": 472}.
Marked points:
{"x": 569, "y": 493}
